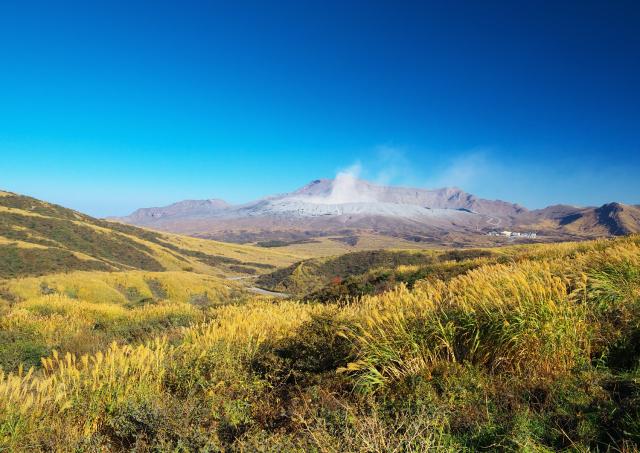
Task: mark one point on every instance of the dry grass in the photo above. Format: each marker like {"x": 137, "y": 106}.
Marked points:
{"x": 25, "y": 220}
{"x": 538, "y": 353}
{"x": 106, "y": 287}
{"x": 324, "y": 247}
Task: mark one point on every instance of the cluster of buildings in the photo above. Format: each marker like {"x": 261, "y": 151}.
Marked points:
{"x": 513, "y": 234}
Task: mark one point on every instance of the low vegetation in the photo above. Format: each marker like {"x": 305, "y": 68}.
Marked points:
{"x": 280, "y": 243}
{"x": 310, "y": 275}
{"x": 530, "y": 348}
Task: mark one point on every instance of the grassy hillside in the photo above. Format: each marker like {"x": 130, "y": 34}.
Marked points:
{"x": 38, "y": 238}
{"x": 341, "y": 244}
{"x": 373, "y": 272}
{"x": 534, "y": 349}
{"x": 308, "y": 277}
{"x": 355, "y": 274}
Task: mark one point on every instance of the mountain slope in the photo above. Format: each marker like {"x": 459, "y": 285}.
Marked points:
{"x": 612, "y": 219}
{"x": 38, "y": 238}
{"x": 182, "y": 208}
{"x": 346, "y": 191}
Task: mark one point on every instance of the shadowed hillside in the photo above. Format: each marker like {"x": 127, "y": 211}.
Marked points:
{"x": 611, "y": 219}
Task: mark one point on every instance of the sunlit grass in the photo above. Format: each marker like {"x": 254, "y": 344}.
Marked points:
{"x": 106, "y": 287}
{"x": 535, "y": 353}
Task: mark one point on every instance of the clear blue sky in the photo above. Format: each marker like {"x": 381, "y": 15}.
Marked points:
{"x": 109, "y": 106}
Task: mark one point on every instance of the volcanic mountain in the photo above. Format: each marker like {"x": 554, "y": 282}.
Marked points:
{"x": 346, "y": 205}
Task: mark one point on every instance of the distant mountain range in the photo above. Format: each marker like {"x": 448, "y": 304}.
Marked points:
{"x": 346, "y": 205}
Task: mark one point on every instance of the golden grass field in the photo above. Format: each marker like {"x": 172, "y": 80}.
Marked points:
{"x": 534, "y": 348}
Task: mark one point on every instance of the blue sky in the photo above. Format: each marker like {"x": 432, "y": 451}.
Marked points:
{"x": 109, "y": 106}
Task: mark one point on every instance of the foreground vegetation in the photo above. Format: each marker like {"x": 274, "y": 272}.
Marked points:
{"x": 84, "y": 312}
{"x": 534, "y": 348}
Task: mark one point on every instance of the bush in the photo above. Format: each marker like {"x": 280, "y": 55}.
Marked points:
{"x": 315, "y": 347}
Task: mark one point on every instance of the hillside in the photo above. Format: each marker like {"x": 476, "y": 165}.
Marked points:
{"x": 38, "y": 238}
{"x": 86, "y": 311}
{"x": 367, "y": 272}
{"x": 355, "y": 274}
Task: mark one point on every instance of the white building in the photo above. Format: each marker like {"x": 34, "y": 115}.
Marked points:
{"x": 513, "y": 234}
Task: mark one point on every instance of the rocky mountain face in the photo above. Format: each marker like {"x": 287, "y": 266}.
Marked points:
{"x": 611, "y": 219}
{"x": 340, "y": 191}
{"x": 348, "y": 205}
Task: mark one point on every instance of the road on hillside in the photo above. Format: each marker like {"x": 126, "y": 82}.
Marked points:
{"x": 256, "y": 290}
{"x": 497, "y": 220}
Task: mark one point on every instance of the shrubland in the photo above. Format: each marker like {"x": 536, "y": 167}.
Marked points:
{"x": 531, "y": 348}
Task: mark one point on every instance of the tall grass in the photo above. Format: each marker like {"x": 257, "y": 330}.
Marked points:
{"x": 509, "y": 318}
{"x": 84, "y": 312}
{"x": 536, "y": 353}
{"x": 83, "y": 397}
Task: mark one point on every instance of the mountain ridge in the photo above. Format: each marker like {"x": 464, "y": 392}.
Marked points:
{"x": 349, "y": 205}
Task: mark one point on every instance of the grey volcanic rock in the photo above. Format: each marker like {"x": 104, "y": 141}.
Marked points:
{"x": 445, "y": 198}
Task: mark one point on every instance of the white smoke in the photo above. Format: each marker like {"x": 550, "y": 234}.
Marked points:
{"x": 390, "y": 166}
{"x": 345, "y": 188}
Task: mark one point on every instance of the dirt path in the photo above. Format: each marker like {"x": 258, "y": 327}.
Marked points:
{"x": 256, "y": 290}
{"x": 264, "y": 292}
